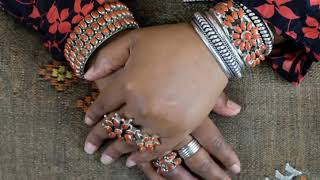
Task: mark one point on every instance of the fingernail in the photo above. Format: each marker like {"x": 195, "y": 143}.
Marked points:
{"x": 235, "y": 169}
{"x": 90, "y": 148}
{"x": 234, "y": 106}
{"x": 88, "y": 75}
{"x": 88, "y": 121}
{"x": 227, "y": 178}
{"x": 106, "y": 160}
{"x": 130, "y": 163}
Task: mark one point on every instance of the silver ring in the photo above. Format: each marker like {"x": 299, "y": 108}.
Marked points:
{"x": 190, "y": 149}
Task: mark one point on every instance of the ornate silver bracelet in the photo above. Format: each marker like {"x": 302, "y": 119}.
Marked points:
{"x": 218, "y": 46}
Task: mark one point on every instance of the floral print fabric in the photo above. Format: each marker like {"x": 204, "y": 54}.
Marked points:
{"x": 53, "y": 19}
{"x": 296, "y": 19}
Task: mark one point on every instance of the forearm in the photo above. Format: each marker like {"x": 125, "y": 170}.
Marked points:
{"x": 53, "y": 20}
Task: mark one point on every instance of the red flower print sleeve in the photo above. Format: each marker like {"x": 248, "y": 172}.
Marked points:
{"x": 299, "y": 20}
{"x": 53, "y": 19}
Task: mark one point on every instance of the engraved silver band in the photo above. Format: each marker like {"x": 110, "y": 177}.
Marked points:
{"x": 218, "y": 46}
{"x": 190, "y": 149}
{"x": 264, "y": 29}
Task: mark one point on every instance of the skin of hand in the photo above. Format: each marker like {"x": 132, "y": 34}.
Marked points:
{"x": 168, "y": 81}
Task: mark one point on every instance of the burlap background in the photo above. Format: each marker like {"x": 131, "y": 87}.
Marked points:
{"x": 42, "y": 134}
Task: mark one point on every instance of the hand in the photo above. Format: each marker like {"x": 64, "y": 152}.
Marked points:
{"x": 168, "y": 84}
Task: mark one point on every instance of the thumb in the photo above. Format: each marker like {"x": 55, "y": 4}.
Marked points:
{"x": 226, "y": 107}
{"x": 110, "y": 57}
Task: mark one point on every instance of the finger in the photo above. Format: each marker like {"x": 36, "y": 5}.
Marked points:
{"x": 109, "y": 99}
{"x": 202, "y": 164}
{"x": 143, "y": 157}
{"x": 150, "y": 171}
{"x": 226, "y": 107}
{"x": 95, "y": 138}
{"x": 110, "y": 57}
{"x": 179, "y": 173}
{"x": 215, "y": 144}
{"x": 115, "y": 150}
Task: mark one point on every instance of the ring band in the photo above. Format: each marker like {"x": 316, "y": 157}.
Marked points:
{"x": 190, "y": 149}
{"x": 167, "y": 163}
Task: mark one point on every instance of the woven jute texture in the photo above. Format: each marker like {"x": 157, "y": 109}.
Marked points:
{"x": 42, "y": 133}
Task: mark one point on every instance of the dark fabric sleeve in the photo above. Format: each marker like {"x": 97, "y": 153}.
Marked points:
{"x": 298, "y": 20}
{"x": 53, "y": 19}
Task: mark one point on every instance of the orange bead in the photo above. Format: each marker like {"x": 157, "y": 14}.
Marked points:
{"x": 89, "y": 46}
{"x": 117, "y": 24}
{"x": 262, "y": 57}
{"x": 254, "y": 30}
{"x": 113, "y": 15}
{"x": 67, "y": 46}
{"x": 99, "y": 36}
{"x": 248, "y": 58}
{"x": 80, "y": 57}
{"x": 118, "y": 3}
{"x": 101, "y": 10}
{"x": 243, "y": 26}
{"x": 248, "y": 46}
{"x": 253, "y": 56}
{"x": 257, "y": 62}
{"x": 249, "y": 26}
{"x": 230, "y": 19}
{"x": 230, "y": 4}
{"x": 237, "y": 42}
{"x": 242, "y": 46}
{"x": 79, "y": 43}
{"x": 94, "y": 41}
{"x": 227, "y": 23}
{"x": 95, "y": 26}
{"x": 247, "y": 36}
{"x": 73, "y": 36}
{"x": 84, "y": 37}
{"x": 95, "y": 14}
{"x": 111, "y": 27}
{"x": 122, "y": 22}
{"x": 234, "y": 15}
{"x": 107, "y": 7}
{"x": 253, "y": 42}
{"x": 69, "y": 41}
{"x": 258, "y": 53}
{"x": 236, "y": 36}
{"x": 241, "y": 13}
{"x": 105, "y": 31}
{"x": 77, "y": 30}
{"x": 89, "y": 32}
{"x": 224, "y": 8}
{"x": 84, "y": 52}
{"x": 256, "y": 36}
{"x": 83, "y": 24}
{"x": 107, "y": 17}
{"x": 112, "y": 135}
{"x": 238, "y": 29}
{"x": 101, "y": 21}
{"x": 88, "y": 19}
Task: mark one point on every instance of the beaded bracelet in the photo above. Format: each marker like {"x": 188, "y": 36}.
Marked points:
{"x": 244, "y": 33}
{"x": 95, "y": 29}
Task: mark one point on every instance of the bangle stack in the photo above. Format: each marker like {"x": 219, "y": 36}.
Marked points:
{"x": 235, "y": 36}
{"x": 93, "y": 30}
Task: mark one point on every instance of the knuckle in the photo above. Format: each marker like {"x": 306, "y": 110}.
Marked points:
{"x": 204, "y": 166}
{"x": 143, "y": 157}
{"x": 219, "y": 143}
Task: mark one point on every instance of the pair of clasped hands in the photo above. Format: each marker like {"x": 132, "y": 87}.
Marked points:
{"x": 167, "y": 80}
